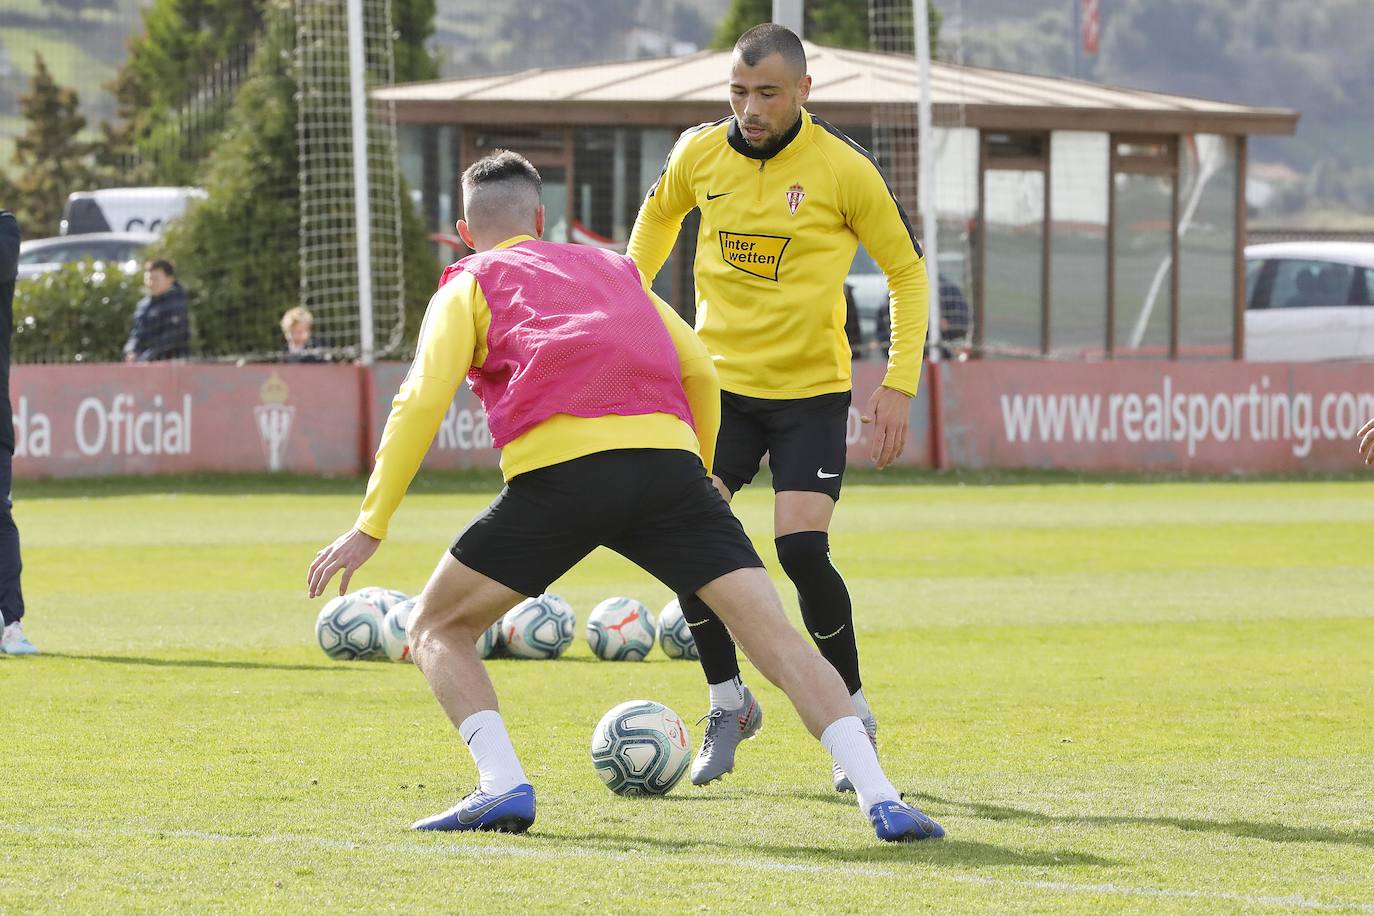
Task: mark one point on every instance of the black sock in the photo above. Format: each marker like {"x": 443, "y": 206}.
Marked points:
{"x": 824, "y": 598}
{"x": 714, "y": 645}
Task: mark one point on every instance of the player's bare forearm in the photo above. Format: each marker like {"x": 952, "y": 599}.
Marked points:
{"x": 888, "y": 411}
{"x": 349, "y": 551}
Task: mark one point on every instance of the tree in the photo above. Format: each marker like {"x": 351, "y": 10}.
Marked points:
{"x": 236, "y": 252}
{"x": 52, "y": 161}
{"x": 239, "y": 250}
{"x": 837, "y": 23}
{"x": 413, "y": 24}
{"x": 169, "y": 66}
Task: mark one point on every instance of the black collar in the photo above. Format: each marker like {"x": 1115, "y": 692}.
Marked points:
{"x": 741, "y": 145}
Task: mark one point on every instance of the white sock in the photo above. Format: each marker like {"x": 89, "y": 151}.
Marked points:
{"x": 727, "y": 694}
{"x": 848, "y": 744}
{"x": 498, "y": 770}
{"x": 861, "y": 705}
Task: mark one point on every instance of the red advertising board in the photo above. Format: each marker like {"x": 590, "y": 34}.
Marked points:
{"x": 1220, "y": 417}
{"x": 859, "y": 437}
{"x": 463, "y": 440}
{"x": 111, "y": 419}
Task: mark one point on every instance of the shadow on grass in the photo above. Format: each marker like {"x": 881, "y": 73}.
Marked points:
{"x": 964, "y": 853}
{"x": 1252, "y": 830}
{"x": 206, "y": 663}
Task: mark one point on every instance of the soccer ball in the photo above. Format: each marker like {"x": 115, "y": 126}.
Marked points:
{"x": 621, "y": 630}
{"x": 491, "y": 643}
{"x": 673, "y": 633}
{"x": 396, "y": 631}
{"x": 384, "y": 598}
{"x": 640, "y": 748}
{"x": 538, "y": 627}
{"x": 350, "y": 627}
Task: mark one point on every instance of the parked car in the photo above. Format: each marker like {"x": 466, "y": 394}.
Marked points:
{"x": 1309, "y": 301}
{"x": 125, "y": 209}
{"x": 869, "y": 286}
{"x": 38, "y": 256}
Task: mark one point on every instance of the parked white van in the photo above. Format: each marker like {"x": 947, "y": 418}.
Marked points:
{"x": 125, "y": 209}
{"x": 1309, "y": 301}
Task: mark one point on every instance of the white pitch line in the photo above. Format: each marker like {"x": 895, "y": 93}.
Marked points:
{"x": 516, "y": 852}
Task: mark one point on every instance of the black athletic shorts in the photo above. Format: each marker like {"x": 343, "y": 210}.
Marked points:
{"x": 804, "y": 439}
{"x": 655, "y": 507}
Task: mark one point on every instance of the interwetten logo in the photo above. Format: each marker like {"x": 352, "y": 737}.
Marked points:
{"x": 760, "y": 255}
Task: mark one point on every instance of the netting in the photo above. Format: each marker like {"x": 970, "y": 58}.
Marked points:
{"x": 81, "y": 277}
{"x": 245, "y": 185}
{"x": 897, "y": 148}
{"x": 895, "y": 139}
{"x": 329, "y": 219}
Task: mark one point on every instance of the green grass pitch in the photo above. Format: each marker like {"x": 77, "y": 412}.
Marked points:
{"x": 1120, "y": 695}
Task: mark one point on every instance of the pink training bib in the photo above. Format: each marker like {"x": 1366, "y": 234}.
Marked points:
{"x": 572, "y": 332}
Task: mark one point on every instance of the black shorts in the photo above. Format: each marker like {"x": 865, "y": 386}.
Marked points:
{"x": 655, "y": 507}
{"x": 804, "y": 439}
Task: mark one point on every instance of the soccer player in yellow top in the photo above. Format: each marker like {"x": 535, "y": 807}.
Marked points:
{"x": 603, "y": 402}
{"x": 785, "y": 198}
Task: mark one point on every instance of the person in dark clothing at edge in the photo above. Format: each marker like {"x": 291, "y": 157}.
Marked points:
{"x": 12, "y": 638}
{"x": 162, "y": 327}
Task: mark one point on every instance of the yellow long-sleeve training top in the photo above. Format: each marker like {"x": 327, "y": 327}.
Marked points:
{"x": 778, "y": 235}
{"x": 453, "y": 338}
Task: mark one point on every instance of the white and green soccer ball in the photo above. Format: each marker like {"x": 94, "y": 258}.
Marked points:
{"x": 492, "y": 644}
{"x": 673, "y": 633}
{"x": 384, "y": 598}
{"x": 621, "y": 630}
{"x": 350, "y": 627}
{"x": 538, "y": 627}
{"x": 396, "y": 631}
{"x": 640, "y": 748}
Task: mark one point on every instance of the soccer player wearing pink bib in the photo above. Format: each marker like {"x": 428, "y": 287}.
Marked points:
{"x": 605, "y": 406}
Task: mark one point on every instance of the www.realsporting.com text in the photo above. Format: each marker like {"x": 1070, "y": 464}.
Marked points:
{"x": 1257, "y": 414}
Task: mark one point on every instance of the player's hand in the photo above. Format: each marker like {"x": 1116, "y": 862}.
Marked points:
{"x": 1366, "y": 435}
{"x": 889, "y": 411}
{"x": 348, "y": 552}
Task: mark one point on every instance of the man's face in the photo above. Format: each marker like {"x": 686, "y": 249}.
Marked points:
{"x": 767, "y": 99}
{"x": 156, "y": 281}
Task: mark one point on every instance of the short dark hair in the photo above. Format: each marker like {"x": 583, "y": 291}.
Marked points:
{"x": 767, "y": 39}
{"x": 502, "y": 165}
{"x": 161, "y": 264}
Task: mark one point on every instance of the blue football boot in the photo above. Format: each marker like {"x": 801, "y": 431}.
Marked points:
{"x": 508, "y": 812}
{"x": 898, "y": 822}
